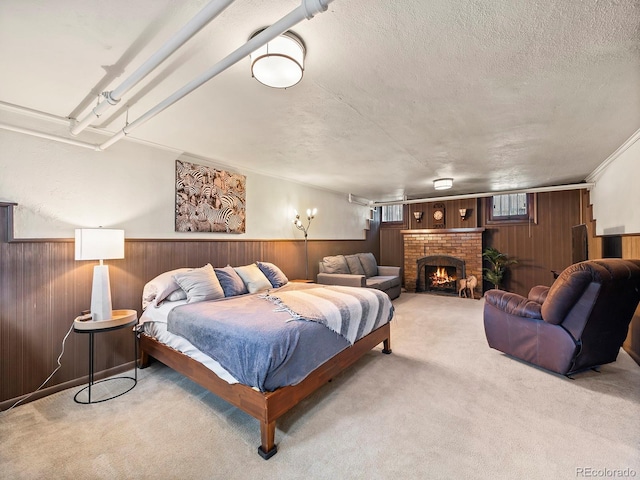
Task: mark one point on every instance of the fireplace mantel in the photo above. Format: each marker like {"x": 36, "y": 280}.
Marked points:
{"x": 418, "y": 231}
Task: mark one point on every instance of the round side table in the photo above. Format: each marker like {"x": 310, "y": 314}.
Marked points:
{"x": 119, "y": 319}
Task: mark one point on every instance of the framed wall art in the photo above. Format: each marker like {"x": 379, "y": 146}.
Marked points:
{"x": 209, "y": 200}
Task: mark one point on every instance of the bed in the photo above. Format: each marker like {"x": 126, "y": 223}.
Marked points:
{"x": 201, "y": 340}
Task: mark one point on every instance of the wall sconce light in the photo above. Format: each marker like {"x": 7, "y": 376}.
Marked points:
{"x": 299, "y": 225}
{"x": 279, "y": 63}
{"x": 463, "y": 213}
{"x": 443, "y": 183}
{"x": 418, "y": 216}
{"x": 99, "y": 244}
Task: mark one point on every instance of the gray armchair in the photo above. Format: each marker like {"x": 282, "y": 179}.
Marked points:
{"x": 360, "y": 270}
{"x": 579, "y": 322}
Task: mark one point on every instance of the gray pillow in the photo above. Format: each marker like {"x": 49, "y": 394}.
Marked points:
{"x": 253, "y": 278}
{"x": 230, "y": 281}
{"x": 335, "y": 264}
{"x": 369, "y": 264}
{"x": 200, "y": 284}
{"x": 273, "y": 273}
{"x": 355, "y": 267}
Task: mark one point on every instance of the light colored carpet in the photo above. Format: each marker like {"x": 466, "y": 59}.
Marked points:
{"x": 442, "y": 406}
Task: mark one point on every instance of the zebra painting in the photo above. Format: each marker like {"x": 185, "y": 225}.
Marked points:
{"x": 209, "y": 200}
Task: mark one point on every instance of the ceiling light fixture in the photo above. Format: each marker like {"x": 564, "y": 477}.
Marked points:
{"x": 279, "y": 63}
{"x": 443, "y": 183}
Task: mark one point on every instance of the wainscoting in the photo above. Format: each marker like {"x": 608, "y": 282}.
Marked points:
{"x": 42, "y": 289}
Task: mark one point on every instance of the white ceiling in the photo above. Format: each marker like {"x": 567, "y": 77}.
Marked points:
{"x": 498, "y": 94}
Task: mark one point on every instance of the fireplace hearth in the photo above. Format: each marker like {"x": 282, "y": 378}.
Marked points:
{"x": 439, "y": 274}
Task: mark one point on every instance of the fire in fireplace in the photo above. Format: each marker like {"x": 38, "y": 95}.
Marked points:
{"x": 440, "y": 278}
{"x": 439, "y": 274}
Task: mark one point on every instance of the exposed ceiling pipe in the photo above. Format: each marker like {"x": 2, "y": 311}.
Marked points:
{"x": 553, "y": 188}
{"x": 56, "y": 138}
{"x": 205, "y": 16}
{"x": 307, "y": 10}
{"x": 359, "y": 200}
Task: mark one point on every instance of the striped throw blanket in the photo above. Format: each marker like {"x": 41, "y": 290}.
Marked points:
{"x": 349, "y": 311}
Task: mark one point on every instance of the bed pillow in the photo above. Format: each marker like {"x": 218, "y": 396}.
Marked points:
{"x": 176, "y": 295}
{"x": 369, "y": 264}
{"x": 355, "y": 267}
{"x": 200, "y": 284}
{"x": 156, "y": 290}
{"x": 335, "y": 264}
{"x": 275, "y": 276}
{"x": 253, "y": 278}
{"x": 230, "y": 281}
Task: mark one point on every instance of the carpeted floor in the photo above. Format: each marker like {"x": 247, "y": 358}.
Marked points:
{"x": 442, "y": 406}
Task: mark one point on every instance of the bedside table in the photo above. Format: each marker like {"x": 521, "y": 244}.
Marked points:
{"x": 119, "y": 319}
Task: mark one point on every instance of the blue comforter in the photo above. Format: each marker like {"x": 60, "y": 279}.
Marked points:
{"x": 259, "y": 344}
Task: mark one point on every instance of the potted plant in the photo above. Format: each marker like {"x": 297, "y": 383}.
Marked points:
{"x": 499, "y": 262}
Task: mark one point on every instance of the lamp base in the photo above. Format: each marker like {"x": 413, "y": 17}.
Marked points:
{"x": 101, "y": 294}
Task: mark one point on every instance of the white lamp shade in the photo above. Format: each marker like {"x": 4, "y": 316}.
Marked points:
{"x": 279, "y": 63}
{"x": 443, "y": 183}
{"x": 99, "y": 243}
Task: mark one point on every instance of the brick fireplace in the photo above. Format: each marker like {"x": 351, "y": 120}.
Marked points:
{"x": 462, "y": 243}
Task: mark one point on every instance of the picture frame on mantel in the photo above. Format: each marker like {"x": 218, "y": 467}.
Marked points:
{"x": 209, "y": 200}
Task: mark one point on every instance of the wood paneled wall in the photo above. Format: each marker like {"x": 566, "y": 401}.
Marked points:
{"x": 451, "y": 214}
{"x": 42, "y": 289}
{"x": 540, "y": 247}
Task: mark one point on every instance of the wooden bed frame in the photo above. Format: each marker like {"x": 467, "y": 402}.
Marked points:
{"x": 267, "y": 407}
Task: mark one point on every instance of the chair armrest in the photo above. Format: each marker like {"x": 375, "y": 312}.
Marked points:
{"x": 538, "y": 294}
{"x": 344, "y": 279}
{"x": 513, "y": 304}
{"x": 388, "y": 271}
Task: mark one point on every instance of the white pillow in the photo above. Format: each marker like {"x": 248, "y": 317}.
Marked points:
{"x": 253, "y": 278}
{"x": 176, "y": 295}
{"x": 156, "y": 290}
{"x": 200, "y": 284}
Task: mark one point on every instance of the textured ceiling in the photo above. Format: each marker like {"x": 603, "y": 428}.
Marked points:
{"x": 496, "y": 94}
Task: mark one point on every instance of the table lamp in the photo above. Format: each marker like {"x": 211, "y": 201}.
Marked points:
{"x": 100, "y": 244}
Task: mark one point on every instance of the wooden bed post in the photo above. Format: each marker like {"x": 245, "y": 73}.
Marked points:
{"x": 267, "y": 435}
{"x": 143, "y": 361}
{"x": 386, "y": 346}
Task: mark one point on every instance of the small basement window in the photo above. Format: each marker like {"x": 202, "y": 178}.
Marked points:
{"x": 392, "y": 213}
{"x": 511, "y": 208}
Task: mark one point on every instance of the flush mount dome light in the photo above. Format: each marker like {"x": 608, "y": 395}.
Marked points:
{"x": 279, "y": 63}
{"x": 443, "y": 183}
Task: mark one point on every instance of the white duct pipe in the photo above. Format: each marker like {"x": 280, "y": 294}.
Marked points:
{"x": 553, "y": 188}
{"x": 359, "y": 200}
{"x": 205, "y": 16}
{"x": 35, "y": 133}
{"x": 306, "y": 10}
